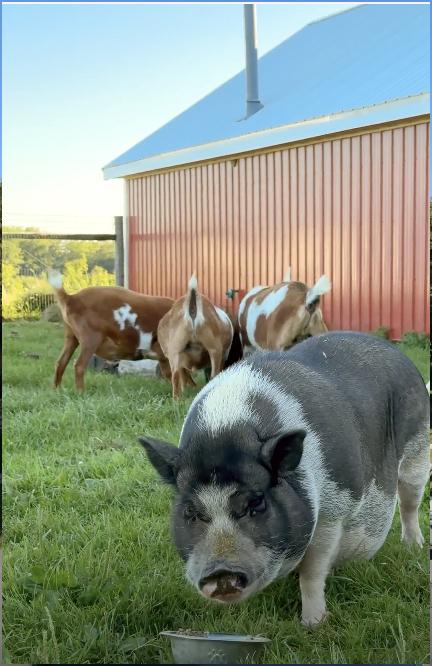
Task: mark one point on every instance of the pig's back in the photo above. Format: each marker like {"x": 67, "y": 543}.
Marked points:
{"x": 363, "y": 398}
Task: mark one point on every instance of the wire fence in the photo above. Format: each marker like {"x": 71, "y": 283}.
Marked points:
{"x": 84, "y": 259}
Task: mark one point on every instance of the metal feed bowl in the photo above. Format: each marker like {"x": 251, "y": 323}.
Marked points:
{"x": 214, "y": 648}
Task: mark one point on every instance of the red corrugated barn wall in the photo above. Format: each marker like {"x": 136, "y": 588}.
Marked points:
{"x": 355, "y": 208}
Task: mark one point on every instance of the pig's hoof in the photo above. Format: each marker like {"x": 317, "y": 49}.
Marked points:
{"x": 314, "y": 619}
{"x": 413, "y": 537}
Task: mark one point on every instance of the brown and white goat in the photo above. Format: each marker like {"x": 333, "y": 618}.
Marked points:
{"x": 112, "y": 322}
{"x": 193, "y": 335}
{"x": 275, "y": 317}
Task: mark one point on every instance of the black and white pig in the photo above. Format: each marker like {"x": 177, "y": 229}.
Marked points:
{"x": 295, "y": 460}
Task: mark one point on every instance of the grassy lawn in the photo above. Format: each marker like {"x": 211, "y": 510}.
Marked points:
{"x": 90, "y": 575}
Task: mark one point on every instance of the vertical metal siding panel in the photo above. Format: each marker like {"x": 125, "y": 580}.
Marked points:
{"x": 138, "y": 237}
{"x": 175, "y": 239}
{"x": 231, "y": 260}
{"x": 201, "y": 264}
{"x": 318, "y": 205}
{"x": 244, "y": 231}
{"x": 386, "y": 231}
{"x": 216, "y": 233}
{"x": 227, "y": 271}
{"x": 426, "y": 194}
{"x": 355, "y": 222}
{"x": 131, "y": 241}
{"x": 147, "y": 237}
{"x": 255, "y": 241}
{"x": 366, "y": 233}
{"x": 251, "y": 237}
{"x": 193, "y": 234}
{"x": 147, "y": 240}
{"x": 409, "y": 216}
{"x": 153, "y": 271}
{"x": 153, "y": 236}
{"x": 286, "y": 245}
{"x": 262, "y": 215}
{"x": 337, "y": 247}
{"x": 345, "y": 247}
{"x": 162, "y": 235}
{"x": 397, "y": 227}
{"x": 176, "y": 233}
{"x": 183, "y": 266}
{"x": 167, "y": 239}
{"x": 208, "y": 240}
{"x": 327, "y": 240}
{"x": 184, "y": 269}
{"x": 237, "y": 241}
{"x": 293, "y": 207}
{"x": 136, "y": 265}
{"x": 211, "y": 233}
{"x": 140, "y": 241}
{"x": 301, "y": 214}
{"x": 221, "y": 262}
{"x": 199, "y": 232}
{"x": 190, "y": 236}
{"x": 376, "y": 171}
{"x": 268, "y": 221}
{"x": 138, "y": 232}
{"x": 157, "y": 235}
{"x": 178, "y": 277}
{"x": 171, "y": 235}
{"x": 309, "y": 217}
{"x": 278, "y": 213}
{"x": 420, "y": 235}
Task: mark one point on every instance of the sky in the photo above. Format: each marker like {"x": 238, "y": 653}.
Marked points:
{"x": 83, "y": 83}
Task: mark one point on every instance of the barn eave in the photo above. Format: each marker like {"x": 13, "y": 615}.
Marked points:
{"x": 344, "y": 121}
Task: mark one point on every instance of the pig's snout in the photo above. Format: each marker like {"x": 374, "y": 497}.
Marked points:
{"x": 223, "y": 584}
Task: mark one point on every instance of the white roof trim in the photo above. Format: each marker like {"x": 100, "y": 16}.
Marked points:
{"x": 407, "y": 107}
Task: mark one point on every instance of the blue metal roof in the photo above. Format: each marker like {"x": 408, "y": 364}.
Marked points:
{"x": 365, "y": 65}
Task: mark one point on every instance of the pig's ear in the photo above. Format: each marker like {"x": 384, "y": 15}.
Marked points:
{"x": 283, "y": 453}
{"x": 163, "y": 456}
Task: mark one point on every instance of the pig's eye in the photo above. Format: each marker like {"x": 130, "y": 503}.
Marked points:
{"x": 189, "y": 513}
{"x": 257, "y": 505}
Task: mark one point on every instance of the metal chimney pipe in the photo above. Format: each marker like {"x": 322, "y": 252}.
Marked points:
{"x": 253, "y": 103}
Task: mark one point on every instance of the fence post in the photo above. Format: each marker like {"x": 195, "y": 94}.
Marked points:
{"x": 119, "y": 251}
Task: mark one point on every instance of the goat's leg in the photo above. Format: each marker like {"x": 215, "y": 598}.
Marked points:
{"x": 186, "y": 378}
{"x": 89, "y": 345}
{"x": 165, "y": 369}
{"x": 176, "y": 384}
{"x": 70, "y": 344}
{"x": 174, "y": 361}
{"x": 216, "y": 360}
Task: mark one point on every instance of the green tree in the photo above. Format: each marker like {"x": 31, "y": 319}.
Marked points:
{"x": 12, "y": 253}
{"x": 12, "y": 290}
{"x": 75, "y": 275}
{"x": 99, "y": 277}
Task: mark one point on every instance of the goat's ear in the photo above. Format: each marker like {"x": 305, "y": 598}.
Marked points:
{"x": 283, "y": 453}
{"x": 164, "y": 457}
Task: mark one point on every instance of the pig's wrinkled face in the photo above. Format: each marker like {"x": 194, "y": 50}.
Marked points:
{"x": 237, "y": 520}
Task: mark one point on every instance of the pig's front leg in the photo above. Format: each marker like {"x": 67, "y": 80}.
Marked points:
{"x": 314, "y": 568}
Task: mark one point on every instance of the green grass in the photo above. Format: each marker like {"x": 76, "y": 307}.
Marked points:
{"x": 90, "y": 574}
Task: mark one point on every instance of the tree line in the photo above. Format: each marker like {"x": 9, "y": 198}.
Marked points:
{"x": 25, "y": 264}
